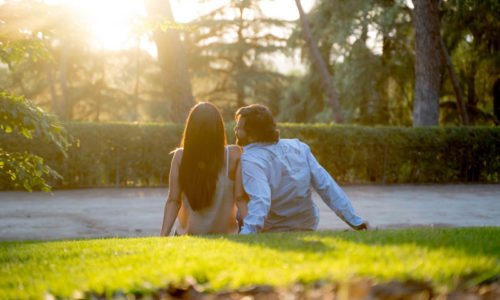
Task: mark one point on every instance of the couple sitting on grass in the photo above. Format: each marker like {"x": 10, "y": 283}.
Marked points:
{"x": 264, "y": 187}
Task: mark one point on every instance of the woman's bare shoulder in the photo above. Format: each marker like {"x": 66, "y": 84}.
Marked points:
{"x": 177, "y": 155}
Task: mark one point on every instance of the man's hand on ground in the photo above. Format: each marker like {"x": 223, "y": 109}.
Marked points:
{"x": 362, "y": 226}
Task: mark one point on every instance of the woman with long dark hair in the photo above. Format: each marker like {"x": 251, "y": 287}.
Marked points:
{"x": 205, "y": 188}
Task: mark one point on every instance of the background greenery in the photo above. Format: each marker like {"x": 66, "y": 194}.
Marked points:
{"x": 23, "y": 121}
{"x": 121, "y": 154}
{"x": 231, "y": 54}
{"x": 228, "y": 57}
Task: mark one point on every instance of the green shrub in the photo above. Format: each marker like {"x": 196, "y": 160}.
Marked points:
{"x": 121, "y": 154}
{"x": 22, "y": 119}
{"x": 114, "y": 154}
{"x": 403, "y": 155}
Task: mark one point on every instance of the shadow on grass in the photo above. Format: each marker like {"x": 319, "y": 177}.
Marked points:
{"x": 471, "y": 241}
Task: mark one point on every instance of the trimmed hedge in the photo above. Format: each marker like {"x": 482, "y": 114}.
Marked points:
{"x": 404, "y": 155}
{"x": 122, "y": 154}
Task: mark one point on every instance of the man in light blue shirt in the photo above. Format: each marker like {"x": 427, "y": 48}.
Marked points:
{"x": 278, "y": 175}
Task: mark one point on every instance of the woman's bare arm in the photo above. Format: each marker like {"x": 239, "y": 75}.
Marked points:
{"x": 173, "y": 203}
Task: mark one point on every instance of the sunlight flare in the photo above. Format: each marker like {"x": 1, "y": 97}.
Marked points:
{"x": 115, "y": 24}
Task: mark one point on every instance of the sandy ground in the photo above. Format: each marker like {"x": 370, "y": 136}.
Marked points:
{"x": 132, "y": 212}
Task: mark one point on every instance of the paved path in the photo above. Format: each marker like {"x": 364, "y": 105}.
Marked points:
{"x": 130, "y": 212}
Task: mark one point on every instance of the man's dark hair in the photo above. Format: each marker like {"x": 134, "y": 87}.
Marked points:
{"x": 259, "y": 123}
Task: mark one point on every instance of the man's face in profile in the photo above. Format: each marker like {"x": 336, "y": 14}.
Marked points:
{"x": 239, "y": 132}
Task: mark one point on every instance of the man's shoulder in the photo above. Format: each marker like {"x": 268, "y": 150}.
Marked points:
{"x": 257, "y": 152}
{"x": 264, "y": 150}
{"x": 295, "y": 143}
{"x": 251, "y": 150}
{"x": 290, "y": 141}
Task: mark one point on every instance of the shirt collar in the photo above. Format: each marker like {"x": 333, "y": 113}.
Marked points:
{"x": 256, "y": 145}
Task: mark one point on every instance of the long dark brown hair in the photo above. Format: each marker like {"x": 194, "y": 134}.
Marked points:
{"x": 203, "y": 140}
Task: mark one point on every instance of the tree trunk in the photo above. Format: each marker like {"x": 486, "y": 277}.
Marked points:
{"x": 462, "y": 110}
{"x": 471, "y": 85}
{"x": 65, "y": 109}
{"x": 240, "y": 64}
{"x": 135, "y": 113}
{"x": 326, "y": 78}
{"x": 427, "y": 63}
{"x": 52, "y": 87}
{"x": 176, "y": 81}
{"x": 496, "y": 99}
{"x": 97, "y": 105}
{"x": 383, "y": 116}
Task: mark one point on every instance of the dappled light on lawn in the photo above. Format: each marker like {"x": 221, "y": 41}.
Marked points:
{"x": 441, "y": 257}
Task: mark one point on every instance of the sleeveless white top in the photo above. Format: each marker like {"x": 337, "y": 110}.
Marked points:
{"x": 220, "y": 217}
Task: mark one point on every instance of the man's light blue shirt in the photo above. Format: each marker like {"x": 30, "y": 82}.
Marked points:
{"x": 278, "y": 178}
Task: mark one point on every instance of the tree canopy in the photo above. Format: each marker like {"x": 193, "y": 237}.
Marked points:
{"x": 240, "y": 53}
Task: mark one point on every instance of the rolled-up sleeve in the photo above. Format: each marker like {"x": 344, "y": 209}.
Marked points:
{"x": 330, "y": 192}
{"x": 256, "y": 185}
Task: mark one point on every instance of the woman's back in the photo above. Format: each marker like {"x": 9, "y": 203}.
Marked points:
{"x": 205, "y": 184}
{"x": 220, "y": 216}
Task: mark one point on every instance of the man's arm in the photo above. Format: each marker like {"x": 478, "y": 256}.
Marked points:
{"x": 257, "y": 187}
{"x": 331, "y": 193}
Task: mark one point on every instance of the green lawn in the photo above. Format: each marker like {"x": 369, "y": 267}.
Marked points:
{"x": 443, "y": 256}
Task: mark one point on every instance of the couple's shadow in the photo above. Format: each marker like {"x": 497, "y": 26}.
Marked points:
{"x": 303, "y": 241}
{"x": 323, "y": 242}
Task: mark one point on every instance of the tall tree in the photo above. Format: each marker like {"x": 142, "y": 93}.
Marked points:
{"x": 231, "y": 49}
{"x": 496, "y": 100}
{"x": 459, "y": 94}
{"x": 60, "y": 32}
{"x": 319, "y": 62}
{"x": 172, "y": 60}
{"x": 427, "y": 63}
{"x": 471, "y": 36}
{"x": 366, "y": 44}
{"x": 70, "y": 77}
